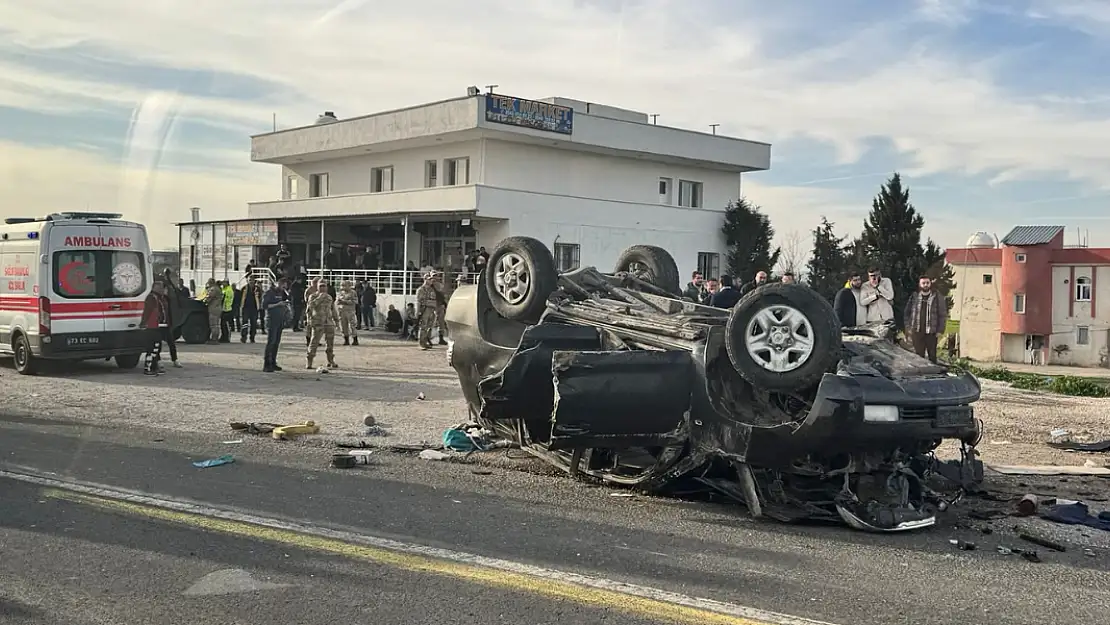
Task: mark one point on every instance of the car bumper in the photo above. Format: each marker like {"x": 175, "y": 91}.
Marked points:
{"x": 924, "y": 409}
{"x": 108, "y": 344}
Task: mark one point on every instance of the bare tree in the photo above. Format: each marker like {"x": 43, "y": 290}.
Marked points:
{"x": 794, "y": 255}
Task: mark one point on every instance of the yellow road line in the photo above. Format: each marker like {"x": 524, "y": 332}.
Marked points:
{"x": 546, "y": 587}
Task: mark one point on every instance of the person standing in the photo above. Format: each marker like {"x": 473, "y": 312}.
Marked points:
{"x": 369, "y": 303}
{"x": 925, "y": 318}
{"x": 158, "y": 322}
{"x": 297, "y": 293}
{"x": 848, "y": 303}
{"x": 249, "y": 308}
{"x": 426, "y": 304}
{"x": 225, "y": 312}
{"x": 441, "y": 307}
{"x": 322, "y": 319}
{"x": 877, "y": 294}
{"x": 760, "y": 280}
{"x": 311, "y": 291}
{"x": 695, "y": 290}
{"x": 214, "y": 300}
{"x": 727, "y": 297}
{"x": 275, "y": 304}
{"x": 346, "y": 302}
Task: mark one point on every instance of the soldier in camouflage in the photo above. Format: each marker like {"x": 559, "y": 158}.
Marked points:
{"x": 322, "y": 317}
{"x": 346, "y": 302}
{"x": 214, "y": 300}
{"x": 312, "y": 291}
{"x": 427, "y": 302}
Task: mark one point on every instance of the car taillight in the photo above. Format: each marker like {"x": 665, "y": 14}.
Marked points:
{"x": 44, "y": 316}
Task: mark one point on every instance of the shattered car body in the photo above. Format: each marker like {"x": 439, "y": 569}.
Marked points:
{"x": 616, "y": 377}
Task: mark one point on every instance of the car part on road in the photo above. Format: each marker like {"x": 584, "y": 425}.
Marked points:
{"x": 771, "y": 404}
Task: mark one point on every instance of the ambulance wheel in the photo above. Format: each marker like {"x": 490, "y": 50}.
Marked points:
{"x": 25, "y": 363}
{"x": 128, "y": 361}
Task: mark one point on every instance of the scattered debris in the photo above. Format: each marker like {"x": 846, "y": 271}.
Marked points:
{"x": 1027, "y": 505}
{"x": 431, "y": 454}
{"x": 1043, "y": 541}
{"x": 284, "y": 432}
{"x": 369, "y": 421}
{"x": 214, "y": 462}
{"x": 1049, "y": 470}
{"x": 322, "y": 370}
{"x": 1090, "y": 553}
{"x": 237, "y": 441}
{"x": 467, "y": 437}
{"x": 622, "y": 494}
{"x": 343, "y": 461}
{"x": 481, "y": 472}
{"x": 963, "y": 545}
{"x": 1077, "y": 513}
{"x": 420, "y": 396}
{"x": 1100, "y": 446}
{"x": 254, "y": 428}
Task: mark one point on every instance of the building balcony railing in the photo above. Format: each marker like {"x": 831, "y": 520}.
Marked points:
{"x": 410, "y": 202}
{"x": 384, "y": 281}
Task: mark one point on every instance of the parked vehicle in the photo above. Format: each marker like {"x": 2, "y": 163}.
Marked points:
{"x": 615, "y": 376}
{"x": 73, "y": 289}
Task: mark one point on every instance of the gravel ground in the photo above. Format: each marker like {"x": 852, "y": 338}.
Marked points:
{"x": 219, "y": 384}
{"x": 384, "y": 376}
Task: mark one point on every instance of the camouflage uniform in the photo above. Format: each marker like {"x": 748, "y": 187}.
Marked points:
{"x": 427, "y": 302}
{"x": 346, "y": 302}
{"x": 322, "y": 317}
{"x": 214, "y": 299}
{"x": 312, "y": 291}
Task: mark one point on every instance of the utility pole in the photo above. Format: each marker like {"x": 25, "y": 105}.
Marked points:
{"x": 654, "y": 117}
{"x": 275, "y": 122}
{"x": 714, "y": 127}
{"x": 490, "y": 88}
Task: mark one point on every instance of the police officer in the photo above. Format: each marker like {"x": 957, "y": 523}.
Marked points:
{"x": 346, "y": 302}
{"x": 427, "y": 302}
{"x": 322, "y": 318}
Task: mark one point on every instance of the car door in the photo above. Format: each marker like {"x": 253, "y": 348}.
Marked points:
{"x": 77, "y": 305}
{"x": 128, "y": 276}
{"x": 615, "y": 399}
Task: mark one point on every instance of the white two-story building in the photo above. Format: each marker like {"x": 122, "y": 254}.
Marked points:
{"x": 425, "y": 185}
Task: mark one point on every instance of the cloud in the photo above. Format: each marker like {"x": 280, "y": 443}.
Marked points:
{"x": 43, "y": 180}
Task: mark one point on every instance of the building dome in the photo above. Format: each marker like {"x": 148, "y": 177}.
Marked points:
{"x": 981, "y": 240}
{"x": 327, "y": 118}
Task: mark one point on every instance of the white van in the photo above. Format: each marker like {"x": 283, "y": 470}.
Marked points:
{"x": 73, "y": 288}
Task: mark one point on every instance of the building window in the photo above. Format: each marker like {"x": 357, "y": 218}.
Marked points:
{"x": 318, "y": 185}
{"x": 1019, "y": 303}
{"x": 431, "y": 173}
{"x": 566, "y": 256}
{"x": 689, "y": 194}
{"x": 665, "y": 191}
{"x": 1019, "y": 258}
{"x": 381, "y": 179}
{"x": 291, "y": 187}
{"x": 457, "y": 171}
{"x": 709, "y": 264}
{"x": 988, "y": 278}
{"x": 1083, "y": 289}
{"x": 1082, "y": 335}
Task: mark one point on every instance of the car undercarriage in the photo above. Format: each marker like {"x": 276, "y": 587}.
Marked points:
{"x": 771, "y": 404}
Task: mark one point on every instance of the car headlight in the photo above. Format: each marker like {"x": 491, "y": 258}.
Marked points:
{"x": 880, "y": 414}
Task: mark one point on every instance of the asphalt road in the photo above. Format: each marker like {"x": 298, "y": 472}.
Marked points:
{"x": 78, "y": 561}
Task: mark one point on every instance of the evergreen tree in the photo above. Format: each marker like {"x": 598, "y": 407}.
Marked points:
{"x": 891, "y": 242}
{"x": 827, "y": 268}
{"x": 748, "y": 235}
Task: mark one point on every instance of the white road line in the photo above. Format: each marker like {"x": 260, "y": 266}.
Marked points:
{"x": 32, "y": 476}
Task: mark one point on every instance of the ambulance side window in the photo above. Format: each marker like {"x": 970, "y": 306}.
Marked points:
{"x": 75, "y": 274}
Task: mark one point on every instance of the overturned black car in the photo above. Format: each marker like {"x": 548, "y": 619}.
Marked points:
{"x": 617, "y": 377}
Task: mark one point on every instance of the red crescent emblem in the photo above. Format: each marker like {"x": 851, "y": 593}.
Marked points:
{"x": 73, "y": 279}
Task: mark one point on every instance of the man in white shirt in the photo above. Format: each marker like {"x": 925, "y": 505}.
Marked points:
{"x": 877, "y": 294}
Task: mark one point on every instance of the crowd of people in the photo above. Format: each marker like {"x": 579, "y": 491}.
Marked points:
{"x": 859, "y": 303}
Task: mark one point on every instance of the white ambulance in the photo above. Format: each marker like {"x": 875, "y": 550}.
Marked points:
{"x": 73, "y": 288}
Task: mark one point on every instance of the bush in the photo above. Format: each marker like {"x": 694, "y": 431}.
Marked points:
{"x": 1061, "y": 384}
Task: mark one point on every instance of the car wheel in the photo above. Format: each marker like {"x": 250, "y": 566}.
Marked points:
{"x": 25, "y": 363}
{"x": 128, "y": 361}
{"x": 195, "y": 329}
{"x": 651, "y": 264}
{"x": 783, "y": 337}
{"x": 519, "y": 276}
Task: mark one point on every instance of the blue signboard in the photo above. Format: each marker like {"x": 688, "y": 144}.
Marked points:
{"x": 503, "y": 109}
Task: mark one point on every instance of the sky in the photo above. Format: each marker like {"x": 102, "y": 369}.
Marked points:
{"x": 995, "y": 113}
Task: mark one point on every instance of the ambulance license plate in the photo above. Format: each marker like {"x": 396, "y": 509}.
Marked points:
{"x": 82, "y": 341}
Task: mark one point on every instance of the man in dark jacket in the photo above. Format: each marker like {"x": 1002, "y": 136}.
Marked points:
{"x": 760, "y": 280}
{"x": 251, "y": 304}
{"x": 695, "y": 290}
{"x": 369, "y": 304}
{"x": 925, "y": 318}
{"x": 849, "y": 310}
{"x": 727, "y": 297}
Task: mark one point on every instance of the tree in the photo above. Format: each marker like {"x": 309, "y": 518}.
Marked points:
{"x": 891, "y": 242}
{"x": 748, "y": 235}
{"x": 828, "y": 264}
{"x": 792, "y": 256}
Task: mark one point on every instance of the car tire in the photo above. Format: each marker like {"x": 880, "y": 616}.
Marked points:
{"x": 519, "y": 277}
{"x": 128, "y": 361}
{"x": 25, "y": 362}
{"x": 783, "y": 357}
{"x": 656, "y": 265}
{"x": 195, "y": 329}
